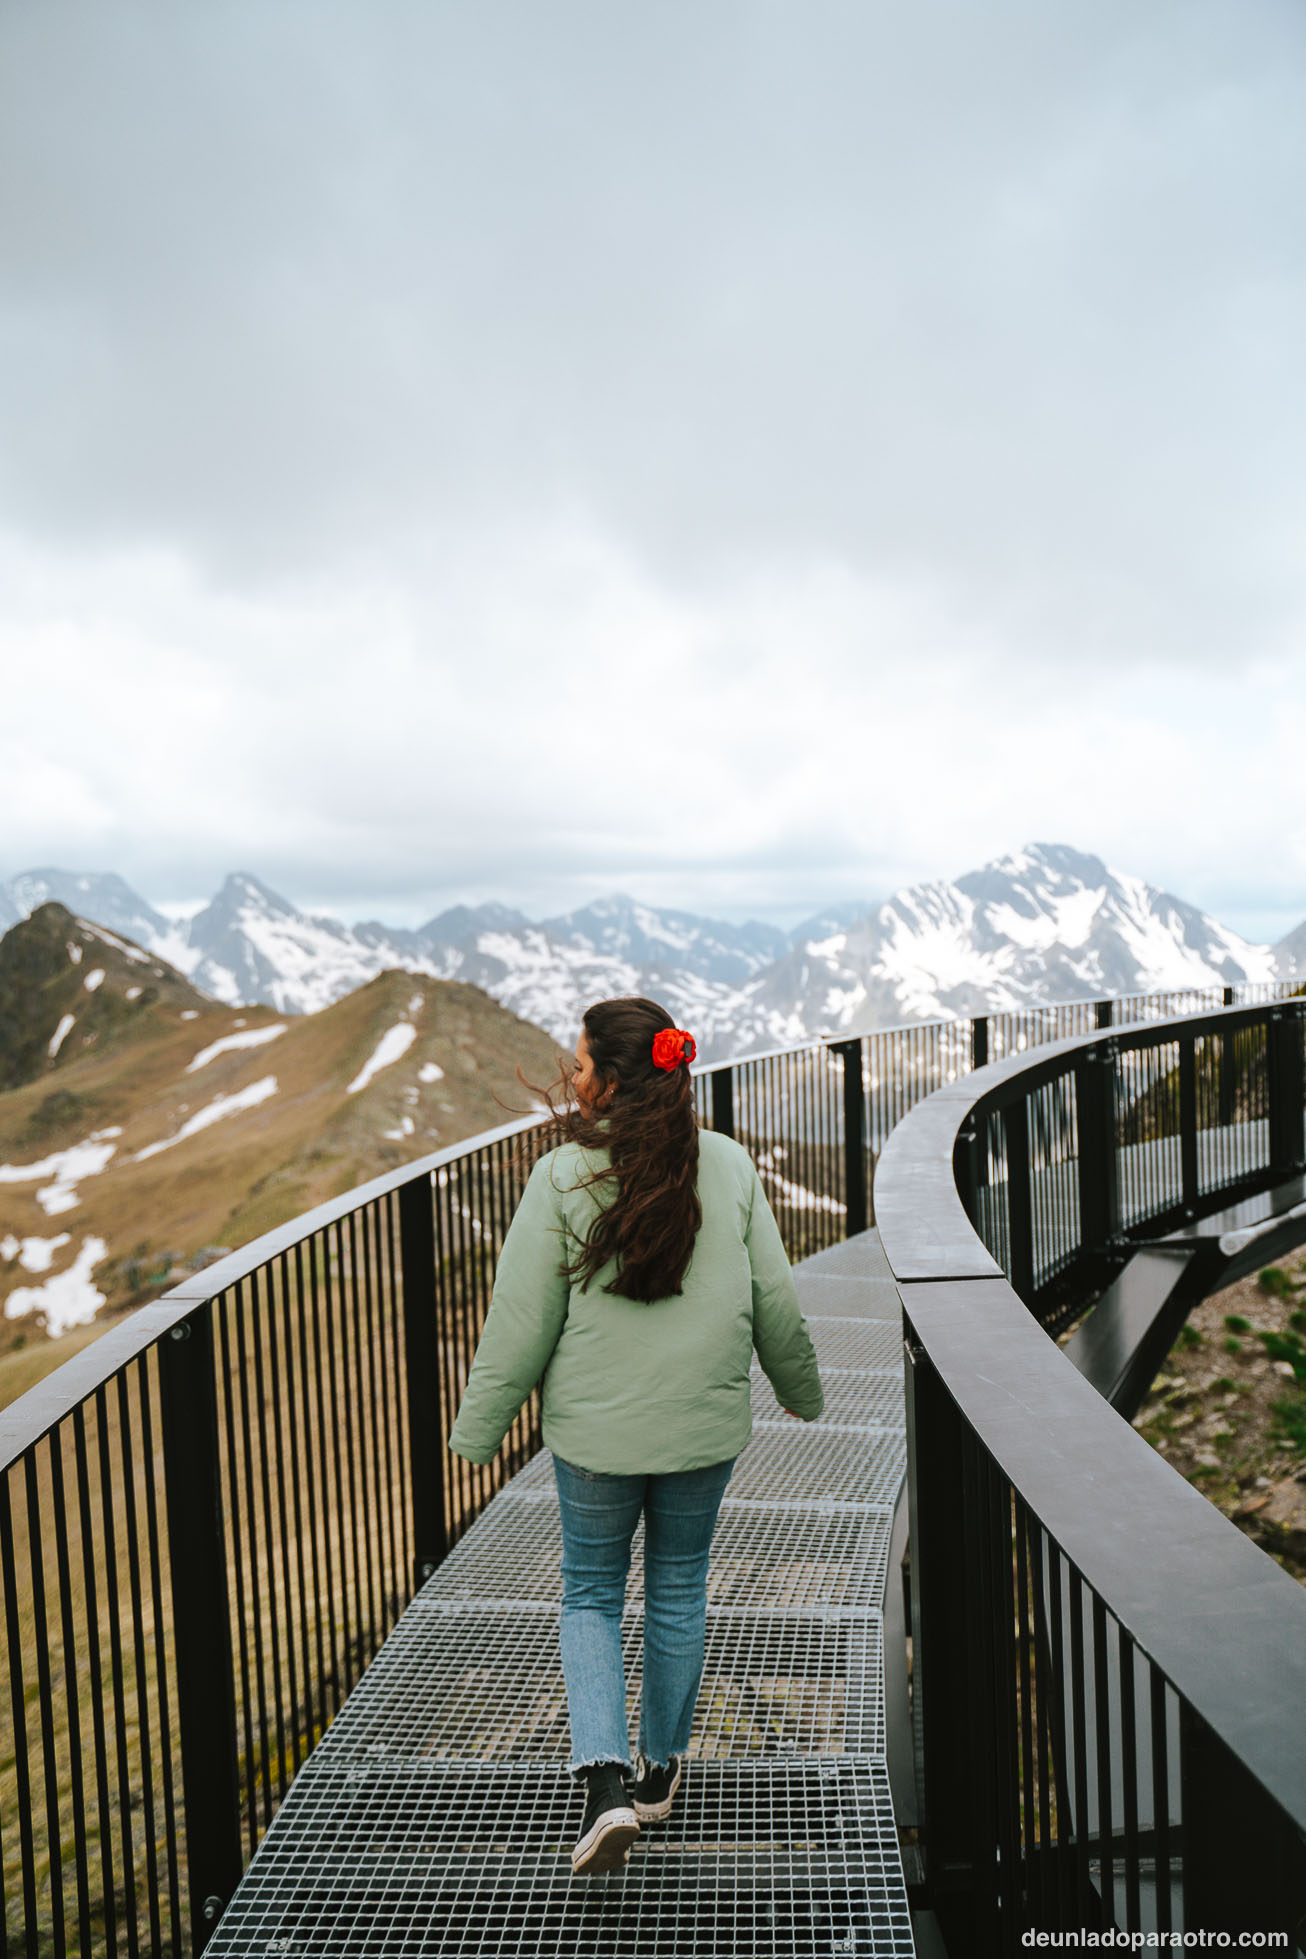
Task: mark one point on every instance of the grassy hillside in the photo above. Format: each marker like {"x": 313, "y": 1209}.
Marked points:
{"x": 165, "y": 1127}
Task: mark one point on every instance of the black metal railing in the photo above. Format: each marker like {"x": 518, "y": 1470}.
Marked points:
{"x": 1109, "y": 1679}
{"x": 211, "y": 1518}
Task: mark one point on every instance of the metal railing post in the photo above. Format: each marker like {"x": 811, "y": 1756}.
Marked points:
{"x": 1104, "y": 1013}
{"x": 1099, "y": 1197}
{"x": 946, "y": 1664}
{"x": 201, "y": 1621}
{"x": 723, "y": 1100}
{"x": 1188, "y": 1123}
{"x": 1020, "y": 1214}
{"x": 1244, "y": 1865}
{"x": 854, "y": 1137}
{"x": 1284, "y": 1069}
{"x": 979, "y": 1042}
{"x": 426, "y": 1449}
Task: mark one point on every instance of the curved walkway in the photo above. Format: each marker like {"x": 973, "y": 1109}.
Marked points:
{"x": 436, "y": 1815}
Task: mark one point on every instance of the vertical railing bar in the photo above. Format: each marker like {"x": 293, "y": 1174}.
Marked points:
{"x": 1161, "y": 1800}
{"x": 306, "y": 1299}
{"x": 361, "y": 1445}
{"x": 1129, "y": 1780}
{"x": 1060, "y": 1750}
{"x": 343, "y": 1453}
{"x": 104, "y": 1833}
{"x": 397, "y": 1485}
{"x": 116, "y": 1666}
{"x": 242, "y": 1291}
{"x": 1102, "y": 1758}
{"x": 337, "y": 1527}
{"x": 162, "y": 1646}
{"x": 72, "y": 1695}
{"x": 1048, "y": 1681}
{"x": 138, "y": 1657}
{"x": 450, "y": 1320}
{"x": 45, "y": 1693}
{"x": 1083, "y": 1884}
{"x": 18, "y": 1700}
{"x": 373, "y": 1293}
{"x": 223, "y": 1308}
{"x": 356, "y": 1447}
{"x": 272, "y": 1274}
{"x": 450, "y": 1373}
{"x": 301, "y": 1703}
{"x": 1029, "y": 1844}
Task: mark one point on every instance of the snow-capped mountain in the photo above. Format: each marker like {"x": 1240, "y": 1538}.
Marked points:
{"x": 1044, "y": 923}
{"x": 106, "y": 898}
{"x": 1041, "y": 924}
{"x": 1290, "y": 954}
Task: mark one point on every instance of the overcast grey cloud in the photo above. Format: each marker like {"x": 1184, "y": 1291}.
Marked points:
{"x": 747, "y": 454}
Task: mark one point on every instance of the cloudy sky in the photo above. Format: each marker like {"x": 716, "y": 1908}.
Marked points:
{"x": 749, "y": 455}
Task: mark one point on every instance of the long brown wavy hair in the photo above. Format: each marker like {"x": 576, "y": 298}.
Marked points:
{"x": 650, "y": 1216}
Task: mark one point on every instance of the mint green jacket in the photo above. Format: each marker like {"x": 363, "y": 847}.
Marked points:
{"x": 632, "y": 1388}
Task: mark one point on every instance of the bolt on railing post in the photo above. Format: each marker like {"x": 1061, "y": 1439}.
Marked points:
{"x": 422, "y": 1371}
{"x": 201, "y": 1621}
{"x": 723, "y": 1100}
{"x": 854, "y": 1137}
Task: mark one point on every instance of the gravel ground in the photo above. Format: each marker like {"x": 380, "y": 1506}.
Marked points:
{"x": 1228, "y": 1410}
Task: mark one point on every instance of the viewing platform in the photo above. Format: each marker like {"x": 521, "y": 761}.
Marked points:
{"x": 282, "y": 1675}
{"x": 437, "y": 1815}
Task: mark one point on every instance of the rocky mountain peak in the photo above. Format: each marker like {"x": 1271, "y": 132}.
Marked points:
{"x": 68, "y": 985}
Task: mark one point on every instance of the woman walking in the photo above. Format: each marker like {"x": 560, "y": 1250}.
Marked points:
{"x": 642, "y": 1268}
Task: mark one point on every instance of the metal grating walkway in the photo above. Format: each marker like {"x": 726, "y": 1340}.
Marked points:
{"x": 436, "y": 1815}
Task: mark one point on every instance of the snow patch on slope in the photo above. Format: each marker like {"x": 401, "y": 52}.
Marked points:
{"x": 255, "y": 1038}
{"x": 69, "y": 1298}
{"x": 214, "y": 1111}
{"x": 67, "y": 1167}
{"x": 394, "y": 1043}
{"x": 60, "y": 1035}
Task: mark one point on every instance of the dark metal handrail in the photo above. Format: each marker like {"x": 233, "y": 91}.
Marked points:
{"x": 1110, "y": 1678}
{"x": 211, "y": 1517}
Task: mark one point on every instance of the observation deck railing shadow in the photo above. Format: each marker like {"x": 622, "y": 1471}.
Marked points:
{"x": 212, "y": 1518}
{"x": 1109, "y": 1677}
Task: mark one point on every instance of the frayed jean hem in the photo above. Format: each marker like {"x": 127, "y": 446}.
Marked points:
{"x": 601, "y": 1761}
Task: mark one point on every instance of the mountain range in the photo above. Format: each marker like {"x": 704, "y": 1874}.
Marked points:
{"x": 168, "y": 1089}
{"x": 144, "y": 1126}
{"x": 1044, "y": 923}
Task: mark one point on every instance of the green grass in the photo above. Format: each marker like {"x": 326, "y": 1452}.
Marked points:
{"x": 1190, "y": 1337}
{"x": 1286, "y": 1346}
{"x": 1232, "y": 1346}
{"x": 1288, "y": 1416}
{"x": 1236, "y": 1323}
{"x": 1275, "y": 1281}
{"x": 1224, "y": 1385}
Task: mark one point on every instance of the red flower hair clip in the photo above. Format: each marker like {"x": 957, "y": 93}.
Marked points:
{"x": 671, "y": 1046}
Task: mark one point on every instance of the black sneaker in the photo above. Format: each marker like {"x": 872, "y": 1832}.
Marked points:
{"x": 609, "y": 1826}
{"x": 655, "y": 1788}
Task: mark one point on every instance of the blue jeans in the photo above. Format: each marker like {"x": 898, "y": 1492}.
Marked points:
{"x": 599, "y": 1515}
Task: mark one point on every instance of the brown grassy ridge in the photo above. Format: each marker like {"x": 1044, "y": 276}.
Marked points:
{"x": 258, "y": 1167}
